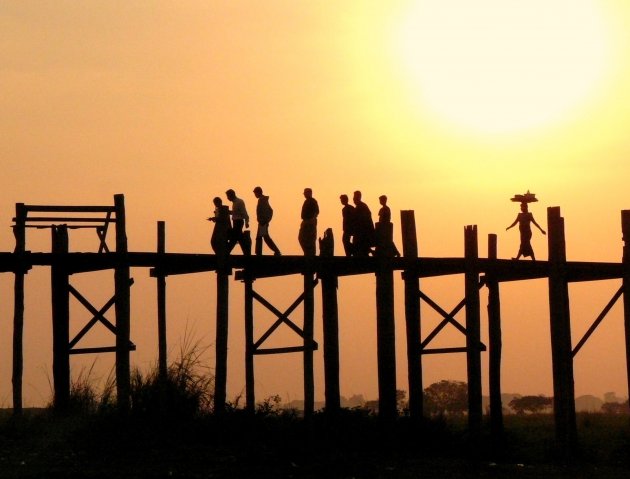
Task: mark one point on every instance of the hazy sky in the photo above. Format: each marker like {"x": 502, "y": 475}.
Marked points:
{"x": 449, "y": 107}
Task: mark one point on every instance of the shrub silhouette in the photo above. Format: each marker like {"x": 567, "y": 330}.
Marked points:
{"x": 533, "y": 404}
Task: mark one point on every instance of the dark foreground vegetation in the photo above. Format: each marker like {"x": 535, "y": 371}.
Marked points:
{"x": 278, "y": 444}
{"x": 172, "y": 432}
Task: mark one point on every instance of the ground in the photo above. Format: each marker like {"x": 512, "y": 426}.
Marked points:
{"x": 47, "y": 446}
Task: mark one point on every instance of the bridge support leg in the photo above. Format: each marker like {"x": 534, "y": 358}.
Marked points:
{"x": 309, "y": 320}
{"x": 412, "y": 316}
{"x": 330, "y": 314}
{"x": 625, "y": 226}
{"x": 386, "y": 341}
{"x": 18, "y": 308}
{"x": 220, "y": 375}
{"x": 473, "y": 334}
{"x": 250, "y": 397}
{"x": 60, "y": 321}
{"x": 561, "y": 352}
{"x": 495, "y": 347}
{"x": 161, "y": 305}
{"x": 122, "y": 287}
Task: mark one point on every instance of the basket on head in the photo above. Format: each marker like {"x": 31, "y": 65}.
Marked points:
{"x": 525, "y": 198}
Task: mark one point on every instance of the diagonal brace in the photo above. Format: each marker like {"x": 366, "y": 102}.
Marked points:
{"x": 282, "y": 317}
{"x": 448, "y": 318}
{"x": 597, "y": 321}
{"x": 101, "y": 232}
{"x": 98, "y": 315}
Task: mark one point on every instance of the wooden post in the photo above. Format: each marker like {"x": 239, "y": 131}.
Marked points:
{"x": 19, "y": 231}
{"x": 625, "y": 227}
{"x": 412, "y": 315}
{"x": 563, "y": 388}
{"x": 60, "y": 319}
{"x": 250, "y": 398}
{"x": 220, "y": 378}
{"x": 473, "y": 333}
{"x": 386, "y": 339}
{"x": 309, "y": 319}
{"x": 161, "y": 299}
{"x": 494, "y": 333}
{"x": 330, "y": 325}
{"x": 123, "y": 321}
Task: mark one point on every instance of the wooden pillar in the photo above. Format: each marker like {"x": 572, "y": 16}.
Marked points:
{"x": 123, "y": 321}
{"x": 161, "y": 306}
{"x": 250, "y": 398}
{"x": 309, "y": 319}
{"x": 330, "y": 326}
{"x": 473, "y": 330}
{"x": 19, "y": 231}
{"x": 563, "y": 388}
{"x": 220, "y": 378}
{"x": 412, "y": 314}
{"x": 625, "y": 227}
{"x": 494, "y": 333}
{"x": 386, "y": 338}
{"x": 60, "y": 319}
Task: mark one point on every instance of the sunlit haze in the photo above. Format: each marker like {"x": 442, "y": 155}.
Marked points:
{"x": 495, "y": 66}
{"x": 448, "y": 107}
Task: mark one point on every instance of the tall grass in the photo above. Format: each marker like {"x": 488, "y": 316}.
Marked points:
{"x": 187, "y": 390}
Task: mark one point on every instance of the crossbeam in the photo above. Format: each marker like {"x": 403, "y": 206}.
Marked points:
{"x": 97, "y": 316}
{"x": 597, "y": 321}
{"x": 282, "y": 318}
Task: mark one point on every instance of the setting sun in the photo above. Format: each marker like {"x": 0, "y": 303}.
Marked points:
{"x": 496, "y": 66}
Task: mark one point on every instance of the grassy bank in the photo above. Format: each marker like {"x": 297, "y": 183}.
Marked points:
{"x": 272, "y": 443}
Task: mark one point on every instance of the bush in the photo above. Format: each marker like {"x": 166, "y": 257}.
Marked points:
{"x": 187, "y": 390}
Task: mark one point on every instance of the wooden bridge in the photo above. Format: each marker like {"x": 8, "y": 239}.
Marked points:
{"x": 319, "y": 272}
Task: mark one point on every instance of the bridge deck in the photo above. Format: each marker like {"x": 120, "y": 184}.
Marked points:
{"x": 270, "y": 266}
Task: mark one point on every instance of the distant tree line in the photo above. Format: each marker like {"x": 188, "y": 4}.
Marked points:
{"x": 450, "y": 398}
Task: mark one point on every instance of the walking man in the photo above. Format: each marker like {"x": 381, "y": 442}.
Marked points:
{"x": 363, "y": 239}
{"x": 222, "y": 227}
{"x": 264, "y": 213}
{"x": 308, "y": 228}
{"x": 348, "y": 225}
{"x": 383, "y": 230}
{"x": 240, "y": 218}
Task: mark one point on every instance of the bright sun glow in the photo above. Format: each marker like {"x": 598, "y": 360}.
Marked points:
{"x": 501, "y": 66}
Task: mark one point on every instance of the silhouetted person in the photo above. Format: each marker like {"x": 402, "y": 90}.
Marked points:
{"x": 264, "y": 213}
{"x": 524, "y": 220}
{"x": 385, "y": 213}
{"x": 363, "y": 238}
{"x": 327, "y": 244}
{"x": 222, "y": 227}
{"x": 384, "y": 229}
{"x": 240, "y": 218}
{"x": 349, "y": 224}
{"x": 308, "y": 227}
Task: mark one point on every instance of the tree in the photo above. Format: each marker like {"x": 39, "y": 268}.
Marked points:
{"x": 615, "y": 408}
{"x": 401, "y": 401}
{"x": 532, "y": 404}
{"x": 446, "y": 397}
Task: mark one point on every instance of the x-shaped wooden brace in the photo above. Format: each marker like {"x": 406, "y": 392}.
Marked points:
{"x": 97, "y": 316}
{"x": 282, "y": 318}
{"x": 101, "y": 232}
{"x": 448, "y": 318}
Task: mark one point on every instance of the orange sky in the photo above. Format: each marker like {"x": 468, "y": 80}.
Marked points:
{"x": 171, "y": 103}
